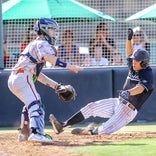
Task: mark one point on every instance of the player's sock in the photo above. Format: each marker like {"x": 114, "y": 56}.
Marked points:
{"x": 76, "y": 118}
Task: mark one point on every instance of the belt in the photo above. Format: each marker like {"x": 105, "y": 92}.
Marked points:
{"x": 20, "y": 71}
{"x": 125, "y": 102}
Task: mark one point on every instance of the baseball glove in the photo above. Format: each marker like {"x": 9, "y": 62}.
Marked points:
{"x": 66, "y": 93}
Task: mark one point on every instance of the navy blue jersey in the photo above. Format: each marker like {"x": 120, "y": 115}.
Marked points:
{"x": 143, "y": 77}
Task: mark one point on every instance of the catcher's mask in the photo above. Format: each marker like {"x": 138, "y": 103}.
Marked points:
{"x": 42, "y": 26}
{"x": 143, "y": 56}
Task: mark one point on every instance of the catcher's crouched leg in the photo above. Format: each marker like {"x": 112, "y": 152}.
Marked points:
{"x": 24, "y": 130}
{"x": 57, "y": 126}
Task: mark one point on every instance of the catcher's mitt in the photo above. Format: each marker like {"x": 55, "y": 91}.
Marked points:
{"x": 66, "y": 92}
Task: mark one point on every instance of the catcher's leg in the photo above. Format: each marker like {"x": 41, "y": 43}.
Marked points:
{"x": 24, "y": 130}
{"x": 23, "y": 87}
{"x": 36, "y": 116}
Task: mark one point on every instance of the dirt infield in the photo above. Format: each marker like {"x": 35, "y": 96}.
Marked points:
{"x": 9, "y": 145}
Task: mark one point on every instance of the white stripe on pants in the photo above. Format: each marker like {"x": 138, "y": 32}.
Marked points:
{"x": 119, "y": 114}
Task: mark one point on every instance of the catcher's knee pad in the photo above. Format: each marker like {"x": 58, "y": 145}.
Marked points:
{"x": 35, "y": 109}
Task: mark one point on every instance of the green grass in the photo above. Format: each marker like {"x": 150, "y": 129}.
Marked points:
{"x": 140, "y": 127}
{"x": 137, "y": 147}
{"x": 143, "y": 147}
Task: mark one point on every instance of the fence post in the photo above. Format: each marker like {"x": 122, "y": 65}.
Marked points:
{"x": 1, "y": 38}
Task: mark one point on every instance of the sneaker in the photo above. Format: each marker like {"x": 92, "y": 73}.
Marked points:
{"x": 57, "y": 126}
{"x": 22, "y": 137}
{"x": 40, "y": 138}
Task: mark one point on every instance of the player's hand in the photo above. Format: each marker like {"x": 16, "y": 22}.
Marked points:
{"x": 124, "y": 94}
{"x": 74, "y": 68}
{"x": 130, "y": 33}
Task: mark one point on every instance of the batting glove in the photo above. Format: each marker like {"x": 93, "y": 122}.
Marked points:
{"x": 130, "y": 33}
{"x": 124, "y": 94}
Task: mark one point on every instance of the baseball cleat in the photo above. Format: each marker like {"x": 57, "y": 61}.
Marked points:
{"x": 81, "y": 131}
{"x": 57, "y": 126}
{"x": 38, "y": 138}
{"x": 89, "y": 130}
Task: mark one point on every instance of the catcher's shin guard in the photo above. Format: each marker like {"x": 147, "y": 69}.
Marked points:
{"x": 36, "y": 115}
{"x": 57, "y": 126}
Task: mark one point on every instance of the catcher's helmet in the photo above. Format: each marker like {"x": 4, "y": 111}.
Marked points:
{"x": 143, "y": 56}
{"x": 41, "y": 27}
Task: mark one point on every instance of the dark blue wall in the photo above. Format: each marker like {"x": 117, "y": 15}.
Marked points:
{"x": 91, "y": 84}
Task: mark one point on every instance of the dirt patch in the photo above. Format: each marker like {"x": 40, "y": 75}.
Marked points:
{"x": 9, "y": 145}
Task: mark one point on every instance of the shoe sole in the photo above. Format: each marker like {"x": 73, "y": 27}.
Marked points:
{"x": 54, "y": 122}
{"x": 81, "y": 131}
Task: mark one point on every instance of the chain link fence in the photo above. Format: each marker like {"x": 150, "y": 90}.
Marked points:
{"x": 81, "y": 33}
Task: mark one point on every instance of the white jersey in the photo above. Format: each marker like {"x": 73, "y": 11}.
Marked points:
{"x": 37, "y": 49}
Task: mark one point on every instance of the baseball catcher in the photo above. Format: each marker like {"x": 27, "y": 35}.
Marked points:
{"x": 27, "y": 71}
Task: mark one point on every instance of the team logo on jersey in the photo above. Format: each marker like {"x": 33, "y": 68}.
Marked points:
{"x": 134, "y": 77}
